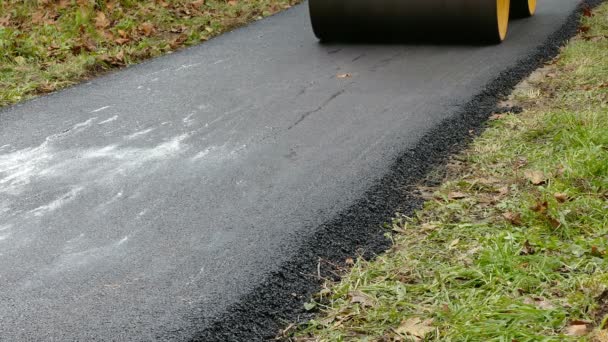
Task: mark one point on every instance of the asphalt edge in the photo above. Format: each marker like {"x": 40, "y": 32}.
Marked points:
{"x": 279, "y": 300}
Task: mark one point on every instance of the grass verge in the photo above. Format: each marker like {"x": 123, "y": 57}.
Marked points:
{"x": 513, "y": 245}
{"x": 50, "y": 44}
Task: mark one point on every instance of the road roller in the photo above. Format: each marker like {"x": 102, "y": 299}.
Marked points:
{"x": 444, "y": 20}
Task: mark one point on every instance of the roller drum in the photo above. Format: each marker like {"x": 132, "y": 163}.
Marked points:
{"x": 485, "y": 20}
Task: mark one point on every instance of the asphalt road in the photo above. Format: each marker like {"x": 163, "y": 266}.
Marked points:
{"x": 133, "y": 203}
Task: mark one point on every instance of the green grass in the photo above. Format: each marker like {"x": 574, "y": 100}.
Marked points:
{"x": 50, "y": 44}
{"x": 513, "y": 245}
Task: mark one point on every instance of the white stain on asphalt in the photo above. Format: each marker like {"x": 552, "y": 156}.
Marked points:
{"x": 201, "y": 154}
{"x": 139, "y": 134}
{"x": 187, "y": 66}
{"x": 21, "y": 168}
{"x": 83, "y": 124}
{"x": 108, "y": 120}
{"x": 100, "y": 109}
{"x": 57, "y": 203}
{"x": 188, "y": 121}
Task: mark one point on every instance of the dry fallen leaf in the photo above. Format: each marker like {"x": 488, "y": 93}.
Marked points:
{"x": 540, "y": 303}
{"x": 20, "y": 60}
{"x": 536, "y": 177}
{"x": 344, "y": 75}
{"x": 5, "y": 21}
{"x": 513, "y": 218}
{"x": 528, "y": 249}
{"x": 178, "y": 41}
{"x": 578, "y": 328}
{"x": 596, "y": 252}
{"x": 541, "y": 207}
{"x": 415, "y": 328}
{"x": 521, "y": 162}
{"x": 600, "y": 336}
{"x": 101, "y": 21}
{"x": 494, "y": 117}
{"x": 553, "y": 221}
{"x": 121, "y": 41}
{"x": 358, "y": 297}
{"x": 454, "y": 244}
{"x": 197, "y": 3}
{"x": 584, "y": 29}
{"x": 561, "y": 197}
{"x": 146, "y": 29}
{"x": 457, "y": 195}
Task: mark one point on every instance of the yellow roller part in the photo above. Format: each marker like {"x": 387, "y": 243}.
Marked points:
{"x": 502, "y": 16}
{"x": 532, "y": 6}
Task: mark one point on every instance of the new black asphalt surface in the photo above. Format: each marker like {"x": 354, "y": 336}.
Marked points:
{"x": 190, "y": 196}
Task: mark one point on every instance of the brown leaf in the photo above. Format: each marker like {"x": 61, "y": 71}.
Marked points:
{"x": 587, "y": 12}
{"x": 116, "y": 60}
{"x": 457, "y": 195}
{"x": 347, "y": 75}
{"x": 494, "y": 117}
{"x": 178, "y": 41}
{"x": 454, "y": 243}
{"x": 561, "y": 197}
{"x": 513, "y": 218}
{"x": 146, "y": 29}
{"x": 358, "y": 297}
{"x": 600, "y": 336}
{"x": 83, "y": 44}
{"x": 123, "y": 34}
{"x": 578, "y": 328}
{"x": 541, "y": 207}
{"x": 596, "y": 252}
{"x": 120, "y": 56}
{"x": 5, "y": 21}
{"x": 553, "y": 222}
{"x": 528, "y": 249}
{"x": 535, "y": 177}
{"x": 197, "y": 3}
{"x": 350, "y": 261}
{"x": 178, "y": 29}
{"x": 521, "y": 162}
{"x": 121, "y": 41}
{"x": 415, "y": 328}
{"x": 38, "y": 17}
{"x": 45, "y": 88}
{"x": 110, "y": 5}
{"x": 503, "y": 191}
{"x": 540, "y": 303}
{"x": 101, "y": 21}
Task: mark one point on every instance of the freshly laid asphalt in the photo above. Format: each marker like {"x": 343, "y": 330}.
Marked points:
{"x": 146, "y": 204}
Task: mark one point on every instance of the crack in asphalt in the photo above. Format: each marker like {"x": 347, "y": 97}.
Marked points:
{"x": 320, "y": 108}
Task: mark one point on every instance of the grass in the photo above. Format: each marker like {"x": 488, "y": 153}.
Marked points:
{"x": 513, "y": 245}
{"x": 51, "y": 44}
